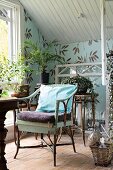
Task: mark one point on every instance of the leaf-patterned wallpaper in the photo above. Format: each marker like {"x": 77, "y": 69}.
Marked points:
{"x": 83, "y": 52}
{"x": 34, "y": 34}
{"x": 89, "y": 51}
{"x": 79, "y": 53}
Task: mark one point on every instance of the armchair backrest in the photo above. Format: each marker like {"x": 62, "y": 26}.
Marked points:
{"x": 49, "y": 94}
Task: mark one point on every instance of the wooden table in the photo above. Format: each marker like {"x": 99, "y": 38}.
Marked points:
{"x": 83, "y": 99}
{"x": 6, "y": 104}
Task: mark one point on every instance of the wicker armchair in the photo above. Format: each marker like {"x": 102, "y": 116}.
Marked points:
{"x": 54, "y": 111}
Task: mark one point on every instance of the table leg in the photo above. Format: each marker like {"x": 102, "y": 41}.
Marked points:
{"x": 82, "y": 120}
{"x": 93, "y": 111}
{"x": 3, "y": 133}
{"x": 74, "y": 115}
{"x": 83, "y": 123}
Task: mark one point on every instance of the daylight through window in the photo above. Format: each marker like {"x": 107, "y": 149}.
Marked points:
{"x": 9, "y": 35}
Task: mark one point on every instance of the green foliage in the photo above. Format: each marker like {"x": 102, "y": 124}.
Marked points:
{"x": 12, "y": 72}
{"x": 83, "y": 83}
{"x": 4, "y": 93}
{"x": 42, "y": 56}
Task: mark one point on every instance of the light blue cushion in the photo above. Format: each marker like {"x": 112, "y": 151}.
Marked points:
{"x": 50, "y": 93}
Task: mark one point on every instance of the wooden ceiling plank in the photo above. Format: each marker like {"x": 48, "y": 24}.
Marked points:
{"x": 62, "y": 20}
{"x": 82, "y": 20}
{"x": 78, "y": 28}
{"x": 69, "y": 16}
{"x": 52, "y": 18}
{"x": 76, "y": 15}
{"x": 92, "y": 17}
{"x": 46, "y": 24}
{"x": 96, "y": 11}
{"x": 60, "y": 9}
{"x": 107, "y": 19}
{"x": 57, "y": 21}
{"x": 109, "y": 23}
{"x": 87, "y": 19}
{"x": 96, "y": 15}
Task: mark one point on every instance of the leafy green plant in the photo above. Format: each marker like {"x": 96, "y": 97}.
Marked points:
{"x": 84, "y": 84}
{"x": 12, "y": 73}
{"x": 42, "y": 55}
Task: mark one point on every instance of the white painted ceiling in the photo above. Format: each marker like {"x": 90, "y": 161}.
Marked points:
{"x": 70, "y": 21}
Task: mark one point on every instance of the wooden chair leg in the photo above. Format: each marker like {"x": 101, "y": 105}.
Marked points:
{"x": 70, "y": 133}
{"x": 36, "y": 135}
{"x": 42, "y": 139}
{"x": 72, "y": 138}
{"x": 15, "y": 128}
{"x": 18, "y": 143}
{"x": 54, "y": 150}
{"x": 49, "y": 136}
{"x": 61, "y": 131}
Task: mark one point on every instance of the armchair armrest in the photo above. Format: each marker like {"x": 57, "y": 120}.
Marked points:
{"x": 29, "y": 98}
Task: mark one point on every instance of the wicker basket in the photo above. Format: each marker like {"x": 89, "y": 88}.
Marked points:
{"x": 102, "y": 155}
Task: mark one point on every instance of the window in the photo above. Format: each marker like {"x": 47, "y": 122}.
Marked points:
{"x": 9, "y": 29}
{"x": 9, "y": 35}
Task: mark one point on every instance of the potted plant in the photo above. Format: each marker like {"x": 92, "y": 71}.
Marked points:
{"x": 84, "y": 84}
{"x": 42, "y": 56}
{"x": 20, "y": 90}
{"x": 12, "y": 74}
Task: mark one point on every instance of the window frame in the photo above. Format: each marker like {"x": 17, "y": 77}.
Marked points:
{"x": 16, "y": 34}
{"x": 16, "y": 20}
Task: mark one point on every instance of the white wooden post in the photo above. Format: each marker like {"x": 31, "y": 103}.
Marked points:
{"x": 56, "y": 75}
{"x": 105, "y": 78}
{"x": 103, "y": 41}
